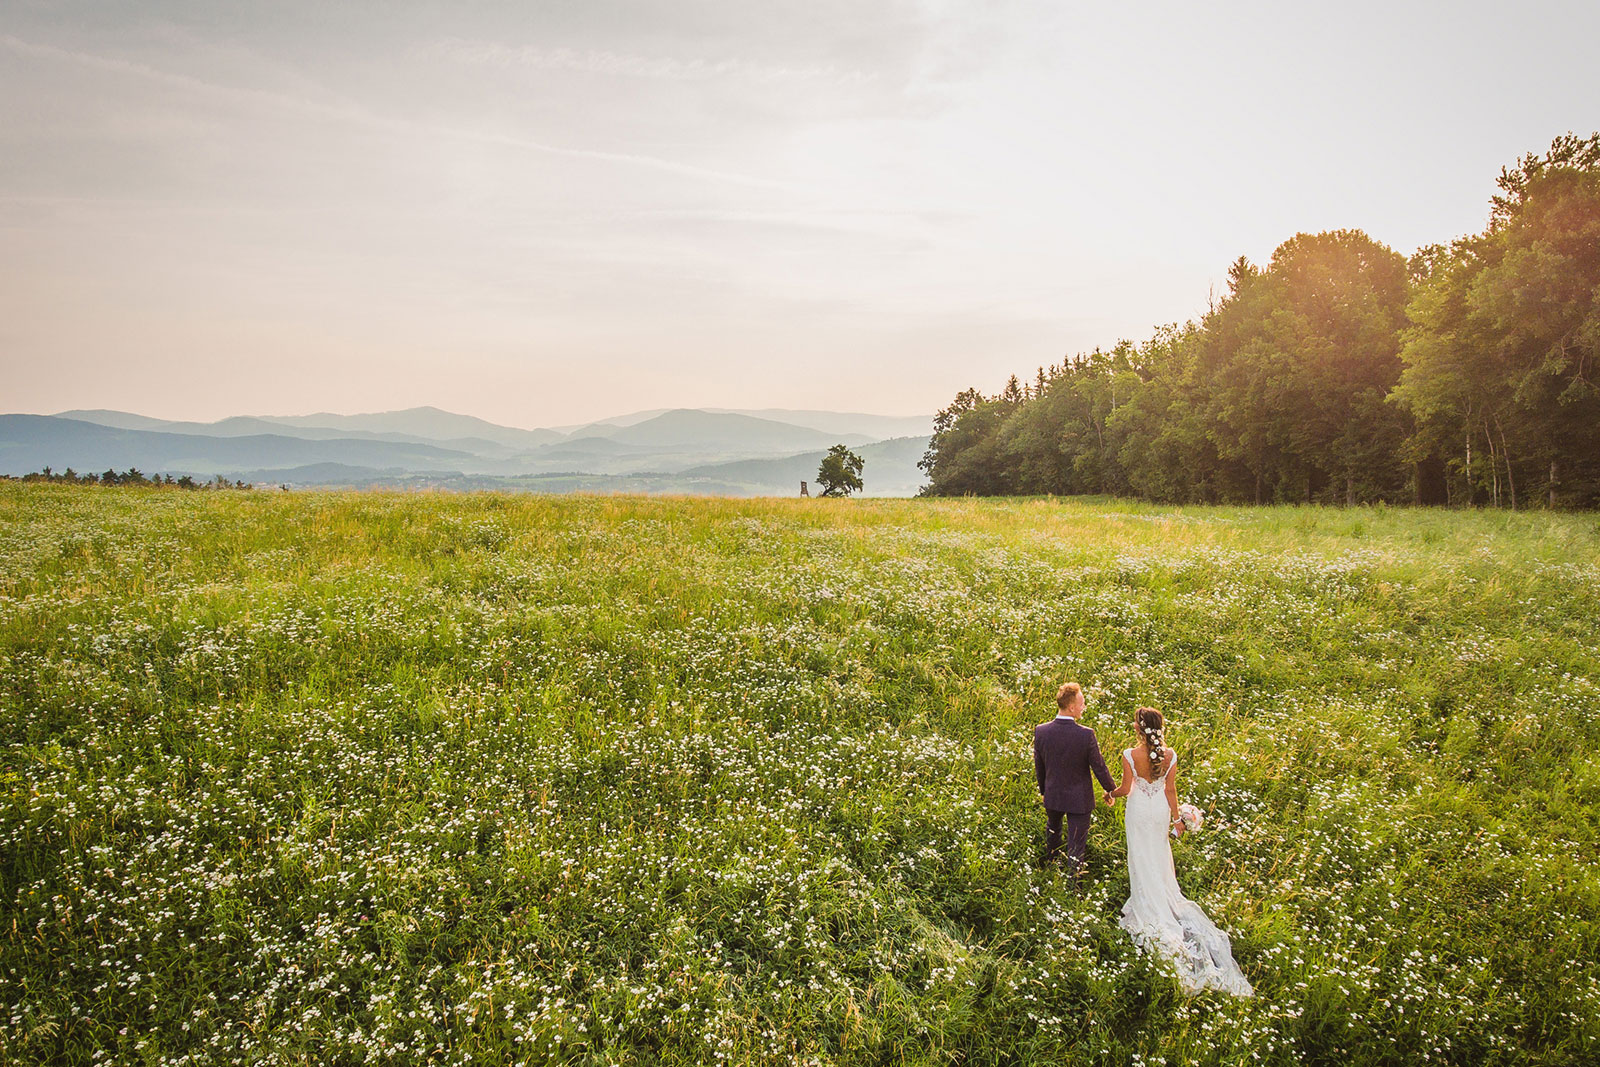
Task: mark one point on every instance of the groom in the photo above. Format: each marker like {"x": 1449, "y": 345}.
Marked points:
{"x": 1064, "y": 753}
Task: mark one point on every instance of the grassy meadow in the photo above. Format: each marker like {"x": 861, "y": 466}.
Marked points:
{"x": 337, "y": 778}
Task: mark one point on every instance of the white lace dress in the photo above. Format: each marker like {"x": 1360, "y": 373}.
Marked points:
{"x": 1158, "y": 916}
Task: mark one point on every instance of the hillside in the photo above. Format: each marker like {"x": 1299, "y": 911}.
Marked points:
{"x": 32, "y": 442}
{"x": 248, "y": 426}
{"x": 875, "y": 427}
{"x": 709, "y": 431}
{"x": 650, "y": 444}
{"x": 890, "y": 469}
{"x": 424, "y": 422}
{"x": 860, "y": 425}
{"x": 344, "y": 778}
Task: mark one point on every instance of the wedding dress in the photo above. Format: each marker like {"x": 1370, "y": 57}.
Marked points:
{"x": 1158, "y": 916}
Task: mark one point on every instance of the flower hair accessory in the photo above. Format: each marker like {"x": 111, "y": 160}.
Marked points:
{"x": 1150, "y": 722}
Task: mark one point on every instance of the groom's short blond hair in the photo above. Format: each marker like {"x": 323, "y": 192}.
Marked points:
{"x": 1068, "y": 692}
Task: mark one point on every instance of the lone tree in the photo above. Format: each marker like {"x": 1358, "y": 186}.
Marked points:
{"x": 840, "y": 473}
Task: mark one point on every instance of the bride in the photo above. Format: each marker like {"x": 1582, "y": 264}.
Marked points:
{"x": 1157, "y": 914}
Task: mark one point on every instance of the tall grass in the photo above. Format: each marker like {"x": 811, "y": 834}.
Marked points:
{"x": 345, "y": 778}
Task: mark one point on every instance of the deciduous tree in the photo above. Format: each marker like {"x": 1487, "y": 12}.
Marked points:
{"x": 840, "y": 472}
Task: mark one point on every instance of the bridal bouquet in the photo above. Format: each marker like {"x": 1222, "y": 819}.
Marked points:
{"x": 1191, "y": 818}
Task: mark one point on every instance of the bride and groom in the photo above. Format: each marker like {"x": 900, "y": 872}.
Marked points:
{"x": 1157, "y": 915}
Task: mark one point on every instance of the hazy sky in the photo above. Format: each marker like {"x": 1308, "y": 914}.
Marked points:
{"x": 541, "y": 212}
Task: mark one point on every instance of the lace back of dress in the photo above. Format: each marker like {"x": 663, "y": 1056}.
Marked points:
{"x": 1145, "y": 786}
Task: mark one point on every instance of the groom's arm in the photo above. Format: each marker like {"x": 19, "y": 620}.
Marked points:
{"x": 1097, "y": 763}
{"x": 1038, "y": 764}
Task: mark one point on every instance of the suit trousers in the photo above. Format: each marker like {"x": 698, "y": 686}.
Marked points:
{"x": 1077, "y": 835}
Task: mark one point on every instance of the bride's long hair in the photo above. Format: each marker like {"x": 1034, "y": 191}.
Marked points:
{"x": 1151, "y": 726}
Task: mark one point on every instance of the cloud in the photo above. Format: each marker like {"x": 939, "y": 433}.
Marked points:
{"x": 183, "y": 82}
{"x": 632, "y": 65}
{"x": 346, "y": 112}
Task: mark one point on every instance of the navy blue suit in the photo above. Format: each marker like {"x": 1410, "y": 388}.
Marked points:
{"x": 1065, "y": 755}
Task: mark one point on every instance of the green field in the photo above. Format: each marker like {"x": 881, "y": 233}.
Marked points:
{"x": 346, "y": 778}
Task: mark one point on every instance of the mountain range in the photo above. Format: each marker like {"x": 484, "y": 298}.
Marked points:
{"x": 721, "y": 451}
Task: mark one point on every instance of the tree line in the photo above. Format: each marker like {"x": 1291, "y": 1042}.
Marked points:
{"x": 1341, "y": 372}
{"x": 132, "y": 476}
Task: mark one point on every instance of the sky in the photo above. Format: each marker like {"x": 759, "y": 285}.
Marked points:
{"x": 555, "y": 210}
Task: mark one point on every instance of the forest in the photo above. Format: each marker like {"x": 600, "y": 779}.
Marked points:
{"x": 1340, "y": 373}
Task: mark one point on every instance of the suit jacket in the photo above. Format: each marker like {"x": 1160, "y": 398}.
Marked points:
{"x": 1065, "y": 753}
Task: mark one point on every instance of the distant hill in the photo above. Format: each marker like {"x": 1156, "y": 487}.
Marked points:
{"x": 32, "y": 442}
{"x": 589, "y": 446}
{"x": 862, "y": 427}
{"x": 870, "y": 427}
{"x": 581, "y": 429}
{"x": 248, "y": 425}
{"x": 233, "y": 426}
{"x": 122, "y": 420}
{"x": 424, "y": 422}
{"x": 889, "y": 469}
{"x": 646, "y": 451}
{"x": 688, "y": 428}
